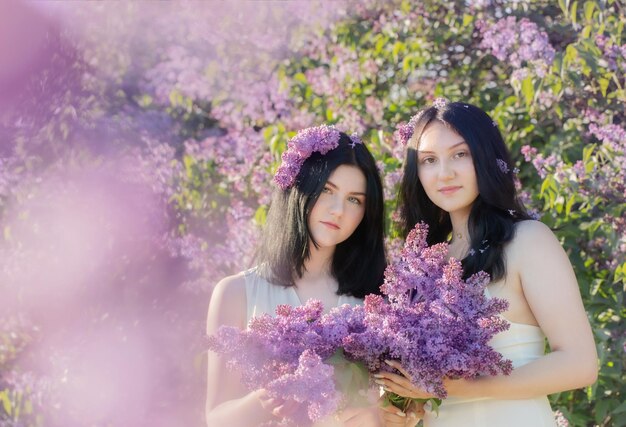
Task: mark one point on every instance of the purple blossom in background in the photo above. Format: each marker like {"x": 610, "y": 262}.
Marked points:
{"x": 613, "y": 54}
{"x": 392, "y": 180}
{"x": 393, "y": 247}
{"x": 521, "y": 43}
{"x": 612, "y": 135}
{"x": 374, "y": 108}
{"x": 544, "y": 165}
{"x": 560, "y": 419}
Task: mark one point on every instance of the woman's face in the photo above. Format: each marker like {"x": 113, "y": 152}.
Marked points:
{"x": 340, "y": 207}
{"x": 446, "y": 169}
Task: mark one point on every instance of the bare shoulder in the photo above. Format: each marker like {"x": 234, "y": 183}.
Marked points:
{"x": 230, "y": 288}
{"x": 534, "y": 244}
{"x": 533, "y": 235}
{"x": 228, "y": 302}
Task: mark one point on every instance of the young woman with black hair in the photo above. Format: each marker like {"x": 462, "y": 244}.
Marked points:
{"x": 323, "y": 239}
{"x": 459, "y": 180}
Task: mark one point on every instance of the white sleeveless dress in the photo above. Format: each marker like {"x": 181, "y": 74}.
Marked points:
{"x": 263, "y": 296}
{"x": 521, "y": 344}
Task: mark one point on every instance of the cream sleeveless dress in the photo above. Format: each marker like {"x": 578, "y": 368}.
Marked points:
{"x": 521, "y": 344}
{"x": 263, "y": 297}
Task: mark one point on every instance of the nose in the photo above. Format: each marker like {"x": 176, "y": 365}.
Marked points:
{"x": 336, "y": 206}
{"x": 446, "y": 170}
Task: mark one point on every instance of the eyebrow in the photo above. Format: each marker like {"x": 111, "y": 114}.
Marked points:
{"x": 449, "y": 149}
{"x": 358, "y": 193}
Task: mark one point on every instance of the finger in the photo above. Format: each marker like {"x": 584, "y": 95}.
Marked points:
{"x": 405, "y": 391}
{"x": 390, "y": 409}
{"x": 393, "y": 419}
{"x": 391, "y": 376}
{"x": 288, "y": 408}
{"x": 277, "y": 412}
{"x": 388, "y": 380}
{"x": 346, "y": 414}
{"x": 416, "y": 408}
{"x": 398, "y": 366}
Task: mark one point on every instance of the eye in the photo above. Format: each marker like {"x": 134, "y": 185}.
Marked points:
{"x": 427, "y": 160}
{"x": 462, "y": 154}
{"x": 354, "y": 200}
{"x": 326, "y": 189}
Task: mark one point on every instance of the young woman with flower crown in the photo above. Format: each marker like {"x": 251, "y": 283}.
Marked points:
{"x": 458, "y": 179}
{"x": 323, "y": 240}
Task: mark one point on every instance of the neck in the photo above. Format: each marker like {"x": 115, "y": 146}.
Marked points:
{"x": 318, "y": 265}
{"x": 459, "y": 226}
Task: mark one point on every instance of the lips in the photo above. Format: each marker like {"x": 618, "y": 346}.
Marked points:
{"x": 331, "y": 225}
{"x": 449, "y": 190}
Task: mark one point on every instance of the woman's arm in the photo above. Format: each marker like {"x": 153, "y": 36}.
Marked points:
{"x": 551, "y": 292}
{"x": 228, "y": 403}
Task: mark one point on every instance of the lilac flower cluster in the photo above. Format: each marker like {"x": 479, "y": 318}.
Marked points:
{"x": 614, "y": 55}
{"x": 312, "y": 377}
{"x": 284, "y": 355}
{"x": 319, "y": 139}
{"x": 520, "y": 43}
{"x": 404, "y": 131}
{"x": 436, "y": 324}
{"x": 542, "y": 164}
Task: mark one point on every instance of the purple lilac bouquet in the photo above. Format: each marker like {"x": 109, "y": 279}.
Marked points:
{"x": 433, "y": 322}
{"x": 295, "y": 356}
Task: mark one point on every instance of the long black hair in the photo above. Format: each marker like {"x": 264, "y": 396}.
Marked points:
{"x": 359, "y": 261}
{"x": 495, "y": 211}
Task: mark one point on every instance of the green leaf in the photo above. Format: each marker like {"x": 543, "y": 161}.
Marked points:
{"x": 587, "y": 153}
{"x": 6, "y": 403}
{"x": 528, "y": 91}
{"x": 435, "y": 404}
{"x": 329, "y": 115}
{"x": 604, "y": 84}
{"x": 589, "y": 8}
{"x": 300, "y": 78}
{"x": 602, "y": 407}
{"x": 621, "y": 408}
{"x": 569, "y": 204}
{"x": 260, "y": 215}
{"x": 573, "y": 14}
{"x": 398, "y": 48}
{"x": 467, "y": 20}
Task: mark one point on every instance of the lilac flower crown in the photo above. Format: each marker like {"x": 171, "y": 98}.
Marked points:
{"x": 405, "y": 131}
{"x": 319, "y": 139}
